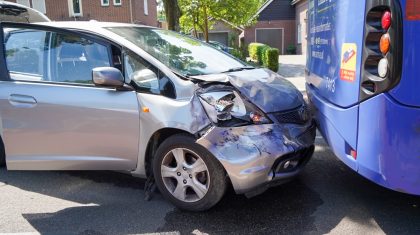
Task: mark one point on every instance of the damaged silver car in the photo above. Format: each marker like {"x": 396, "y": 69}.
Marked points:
{"x": 155, "y": 103}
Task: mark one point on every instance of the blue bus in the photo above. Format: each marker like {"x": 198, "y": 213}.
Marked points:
{"x": 363, "y": 83}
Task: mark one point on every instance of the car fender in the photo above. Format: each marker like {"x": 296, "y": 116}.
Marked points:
{"x": 159, "y": 112}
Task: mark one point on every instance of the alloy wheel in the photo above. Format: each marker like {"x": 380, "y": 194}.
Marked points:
{"x": 185, "y": 175}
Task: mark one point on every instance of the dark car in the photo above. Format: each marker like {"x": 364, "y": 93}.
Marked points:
{"x": 220, "y": 46}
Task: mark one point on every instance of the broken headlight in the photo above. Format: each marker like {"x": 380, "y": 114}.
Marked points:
{"x": 230, "y": 109}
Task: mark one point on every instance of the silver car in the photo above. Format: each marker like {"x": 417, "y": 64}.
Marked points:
{"x": 151, "y": 102}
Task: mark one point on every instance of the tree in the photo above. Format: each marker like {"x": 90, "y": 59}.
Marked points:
{"x": 202, "y": 14}
{"x": 172, "y": 13}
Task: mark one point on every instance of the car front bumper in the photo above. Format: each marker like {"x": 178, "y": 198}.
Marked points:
{"x": 259, "y": 156}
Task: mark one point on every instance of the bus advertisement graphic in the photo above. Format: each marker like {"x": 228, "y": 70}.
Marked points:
{"x": 348, "y": 62}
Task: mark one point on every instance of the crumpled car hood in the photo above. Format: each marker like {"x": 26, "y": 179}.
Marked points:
{"x": 264, "y": 88}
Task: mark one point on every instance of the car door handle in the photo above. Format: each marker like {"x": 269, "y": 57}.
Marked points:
{"x": 23, "y": 101}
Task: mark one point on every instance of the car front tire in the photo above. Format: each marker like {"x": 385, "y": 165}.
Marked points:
{"x": 188, "y": 175}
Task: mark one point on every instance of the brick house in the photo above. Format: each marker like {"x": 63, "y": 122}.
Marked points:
{"x": 276, "y": 25}
{"x": 125, "y": 11}
{"x": 224, "y": 32}
{"x": 301, "y": 7}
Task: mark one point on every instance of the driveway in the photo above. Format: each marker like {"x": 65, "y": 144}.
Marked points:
{"x": 292, "y": 67}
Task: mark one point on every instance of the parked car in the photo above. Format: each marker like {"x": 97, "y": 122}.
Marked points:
{"x": 13, "y": 12}
{"x": 155, "y": 103}
{"x": 221, "y": 46}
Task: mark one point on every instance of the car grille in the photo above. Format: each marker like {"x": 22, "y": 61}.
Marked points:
{"x": 299, "y": 115}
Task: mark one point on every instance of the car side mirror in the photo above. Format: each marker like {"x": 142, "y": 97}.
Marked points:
{"x": 107, "y": 77}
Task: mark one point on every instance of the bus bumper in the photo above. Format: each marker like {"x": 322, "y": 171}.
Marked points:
{"x": 384, "y": 133}
{"x": 389, "y": 144}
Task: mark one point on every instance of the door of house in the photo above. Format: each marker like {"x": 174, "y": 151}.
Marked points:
{"x": 271, "y": 37}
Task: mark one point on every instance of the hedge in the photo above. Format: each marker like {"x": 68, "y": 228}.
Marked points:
{"x": 237, "y": 53}
{"x": 264, "y": 55}
{"x": 271, "y": 59}
{"x": 256, "y": 51}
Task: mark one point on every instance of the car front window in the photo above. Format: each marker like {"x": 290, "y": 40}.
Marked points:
{"x": 182, "y": 54}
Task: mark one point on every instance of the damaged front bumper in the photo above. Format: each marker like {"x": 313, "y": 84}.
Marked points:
{"x": 257, "y": 157}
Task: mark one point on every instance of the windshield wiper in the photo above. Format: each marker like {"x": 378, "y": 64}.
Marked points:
{"x": 238, "y": 69}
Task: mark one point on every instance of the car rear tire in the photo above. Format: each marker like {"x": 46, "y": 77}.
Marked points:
{"x": 2, "y": 154}
{"x": 188, "y": 175}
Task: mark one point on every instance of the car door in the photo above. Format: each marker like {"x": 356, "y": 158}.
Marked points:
{"x": 53, "y": 117}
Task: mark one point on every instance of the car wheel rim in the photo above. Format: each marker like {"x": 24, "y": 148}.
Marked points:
{"x": 185, "y": 175}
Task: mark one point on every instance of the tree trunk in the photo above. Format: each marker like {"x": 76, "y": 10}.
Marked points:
{"x": 206, "y": 25}
{"x": 173, "y": 13}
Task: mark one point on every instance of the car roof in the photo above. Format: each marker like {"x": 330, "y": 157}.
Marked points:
{"x": 13, "y": 12}
{"x": 93, "y": 25}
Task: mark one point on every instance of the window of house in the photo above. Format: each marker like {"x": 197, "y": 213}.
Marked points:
{"x": 146, "y": 7}
{"x": 117, "y": 2}
{"x": 104, "y": 2}
{"x": 299, "y": 34}
{"x": 39, "y": 5}
{"x": 24, "y": 2}
{"x": 75, "y": 7}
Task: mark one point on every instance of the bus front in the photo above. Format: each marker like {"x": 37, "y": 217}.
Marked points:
{"x": 363, "y": 83}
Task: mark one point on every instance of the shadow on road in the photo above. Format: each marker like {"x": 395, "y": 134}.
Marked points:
{"x": 286, "y": 209}
{"x": 317, "y": 202}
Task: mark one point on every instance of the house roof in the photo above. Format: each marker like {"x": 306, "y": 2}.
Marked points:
{"x": 262, "y": 8}
{"x": 266, "y": 4}
{"x": 232, "y": 25}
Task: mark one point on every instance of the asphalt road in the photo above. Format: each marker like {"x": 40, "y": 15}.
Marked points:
{"x": 326, "y": 198}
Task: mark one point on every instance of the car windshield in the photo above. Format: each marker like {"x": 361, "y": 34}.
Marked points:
{"x": 183, "y": 54}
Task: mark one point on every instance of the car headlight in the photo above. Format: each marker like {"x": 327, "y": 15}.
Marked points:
{"x": 229, "y": 108}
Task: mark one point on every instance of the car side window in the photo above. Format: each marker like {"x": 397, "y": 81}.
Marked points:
{"x": 141, "y": 73}
{"x": 75, "y": 57}
{"x": 146, "y": 77}
{"x": 37, "y": 55}
{"x": 25, "y": 54}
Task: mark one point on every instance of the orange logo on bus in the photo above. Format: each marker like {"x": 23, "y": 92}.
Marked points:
{"x": 348, "y": 62}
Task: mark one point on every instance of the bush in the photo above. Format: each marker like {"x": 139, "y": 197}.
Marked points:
{"x": 257, "y": 52}
{"x": 291, "y": 49}
{"x": 264, "y": 55}
{"x": 271, "y": 59}
{"x": 253, "y": 50}
{"x": 237, "y": 53}
{"x": 261, "y": 53}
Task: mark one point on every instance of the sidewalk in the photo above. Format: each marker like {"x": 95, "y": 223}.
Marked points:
{"x": 292, "y": 67}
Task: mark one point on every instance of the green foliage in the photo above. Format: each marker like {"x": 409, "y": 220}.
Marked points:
{"x": 253, "y": 49}
{"x": 201, "y": 15}
{"x": 233, "y": 39}
{"x": 257, "y": 52}
{"x": 271, "y": 59}
{"x": 264, "y": 55}
{"x": 291, "y": 49}
{"x": 238, "y": 54}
